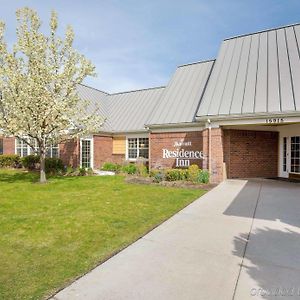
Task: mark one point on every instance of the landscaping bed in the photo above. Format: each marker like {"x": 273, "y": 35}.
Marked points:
{"x": 177, "y": 183}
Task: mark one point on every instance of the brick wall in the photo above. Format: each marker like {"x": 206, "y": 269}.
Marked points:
{"x": 251, "y": 153}
{"x": 69, "y": 153}
{"x": 103, "y": 151}
{"x": 8, "y": 145}
{"x": 160, "y": 141}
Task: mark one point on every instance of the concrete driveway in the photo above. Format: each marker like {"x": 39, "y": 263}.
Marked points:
{"x": 239, "y": 241}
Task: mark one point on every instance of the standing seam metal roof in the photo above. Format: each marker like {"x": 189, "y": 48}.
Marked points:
{"x": 254, "y": 74}
{"x": 181, "y": 97}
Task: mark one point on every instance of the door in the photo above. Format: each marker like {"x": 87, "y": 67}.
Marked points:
{"x": 295, "y": 155}
{"x": 86, "y": 160}
{"x": 290, "y": 155}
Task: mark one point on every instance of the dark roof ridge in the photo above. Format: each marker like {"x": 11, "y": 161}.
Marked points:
{"x": 196, "y": 62}
{"x": 138, "y": 90}
{"x": 261, "y": 31}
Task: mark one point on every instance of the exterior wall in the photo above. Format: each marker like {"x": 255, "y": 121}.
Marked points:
{"x": 8, "y": 145}
{"x": 103, "y": 151}
{"x": 251, "y": 153}
{"x": 69, "y": 152}
{"x": 160, "y": 141}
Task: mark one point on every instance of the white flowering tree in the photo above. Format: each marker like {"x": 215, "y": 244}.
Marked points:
{"x": 38, "y": 78}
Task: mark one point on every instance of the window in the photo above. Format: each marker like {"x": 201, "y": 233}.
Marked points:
{"x": 22, "y": 149}
{"x": 295, "y": 154}
{"x": 138, "y": 148}
{"x": 52, "y": 151}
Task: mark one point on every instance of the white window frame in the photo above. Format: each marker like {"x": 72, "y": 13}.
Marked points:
{"x": 137, "y": 136}
{"x": 91, "y": 151}
{"x": 31, "y": 152}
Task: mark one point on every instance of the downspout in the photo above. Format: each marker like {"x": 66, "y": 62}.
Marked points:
{"x": 209, "y": 146}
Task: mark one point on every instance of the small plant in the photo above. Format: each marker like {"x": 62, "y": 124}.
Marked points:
{"x": 158, "y": 177}
{"x": 81, "y": 172}
{"x": 10, "y": 161}
{"x": 69, "y": 171}
{"x": 203, "y": 176}
{"x": 142, "y": 170}
{"x": 108, "y": 166}
{"x": 90, "y": 172}
{"x": 173, "y": 174}
{"x": 129, "y": 169}
{"x": 193, "y": 173}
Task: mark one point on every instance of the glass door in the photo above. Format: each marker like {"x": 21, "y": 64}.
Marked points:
{"x": 295, "y": 154}
{"x": 86, "y": 153}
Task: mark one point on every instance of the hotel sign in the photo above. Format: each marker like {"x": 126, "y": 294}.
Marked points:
{"x": 181, "y": 155}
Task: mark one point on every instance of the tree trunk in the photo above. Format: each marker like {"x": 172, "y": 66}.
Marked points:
{"x": 42, "y": 166}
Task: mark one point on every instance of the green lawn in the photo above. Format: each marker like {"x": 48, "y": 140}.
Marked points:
{"x": 52, "y": 233}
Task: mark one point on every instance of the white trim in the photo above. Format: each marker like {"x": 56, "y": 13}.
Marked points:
{"x": 91, "y": 139}
{"x": 137, "y": 136}
{"x": 282, "y": 120}
{"x": 177, "y": 129}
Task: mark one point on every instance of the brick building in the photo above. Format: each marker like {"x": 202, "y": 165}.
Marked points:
{"x": 237, "y": 116}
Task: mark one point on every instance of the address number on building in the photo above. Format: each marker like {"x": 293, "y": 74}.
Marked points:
{"x": 274, "y": 120}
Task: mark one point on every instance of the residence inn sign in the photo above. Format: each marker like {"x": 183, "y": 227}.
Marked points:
{"x": 182, "y": 156}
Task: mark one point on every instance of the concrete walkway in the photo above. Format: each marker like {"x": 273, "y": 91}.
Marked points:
{"x": 239, "y": 241}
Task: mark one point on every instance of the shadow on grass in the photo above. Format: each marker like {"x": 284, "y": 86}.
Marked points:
{"x": 18, "y": 176}
{"x": 14, "y": 176}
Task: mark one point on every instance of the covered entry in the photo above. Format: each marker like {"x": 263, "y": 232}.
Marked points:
{"x": 262, "y": 151}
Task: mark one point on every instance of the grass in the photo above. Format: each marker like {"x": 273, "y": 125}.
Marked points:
{"x": 50, "y": 234}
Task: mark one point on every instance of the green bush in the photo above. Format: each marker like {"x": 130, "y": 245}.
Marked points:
{"x": 175, "y": 174}
{"x": 54, "y": 165}
{"x": 193, "y": 173}
{"x": 31, "y": 162}
{"x": 142, "y": 170}
{"x": 203, "y": 176}
{"x": 10, "y": 161}
{"x": 158, "y": 177}
{"x": 82, "y": 171}
{"x": 108, "y": 166}
{"x": 129, "y": 169}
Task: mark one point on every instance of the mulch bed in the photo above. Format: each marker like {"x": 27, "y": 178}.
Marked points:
{"x": 179, "y": 184}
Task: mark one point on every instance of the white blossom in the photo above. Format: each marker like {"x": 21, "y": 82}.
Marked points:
{"x": 38, "y": 80}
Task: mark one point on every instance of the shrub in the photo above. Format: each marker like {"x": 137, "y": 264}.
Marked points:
{"x": 175, "y": 174}
{"x": 153, "y": 172}
{"x": 129, "y": 169}
{"x": 10, "y": 161}
{"x": 108, "y": 166}
{"x": 203, "y": 176}
{"x": 142, "y": 170}
{"x": 158, "y": 177}
{"x": 193, "y": 173}
{"x": 31, "y": 162}
{"x": 54, "y": 165}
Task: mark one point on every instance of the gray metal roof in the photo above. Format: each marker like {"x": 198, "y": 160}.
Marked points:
{"x": 255, "y": 74}
{"x": 181, "y": 97}
{"x": 97, "y": 100}
{"x": 128, "y": 111}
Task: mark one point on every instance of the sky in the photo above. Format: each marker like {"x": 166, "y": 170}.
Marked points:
{"x": 137, "y": 44}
